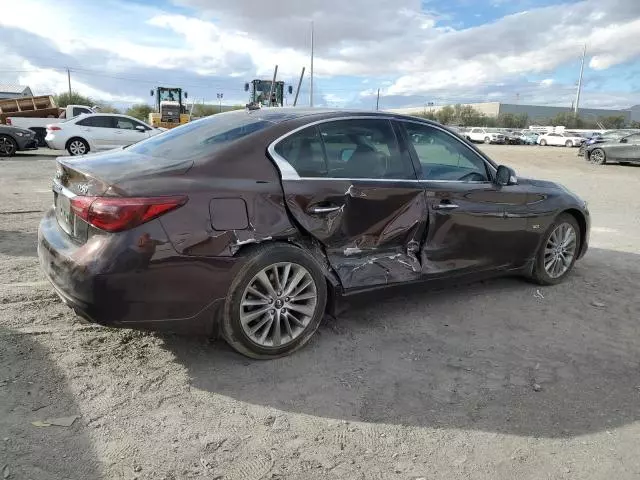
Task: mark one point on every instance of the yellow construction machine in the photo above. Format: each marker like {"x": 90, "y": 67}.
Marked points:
{"x": 170, "y": 110}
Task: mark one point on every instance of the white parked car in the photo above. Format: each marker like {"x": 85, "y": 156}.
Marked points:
{"x": 566, "y": 139}
{"x": 486, "y": 135}
{"x": 97, "y": 131}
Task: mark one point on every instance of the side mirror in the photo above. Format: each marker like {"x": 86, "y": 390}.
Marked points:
{"x": 151, "y": 92}
{"x": 186, "y": 95}
{"x": 506, "y": 176}
{"x": 623, "y": 140}
{"x": 246, "y": 87}
{"x": 290, "y": 89}
{"x": 140, "y": 128}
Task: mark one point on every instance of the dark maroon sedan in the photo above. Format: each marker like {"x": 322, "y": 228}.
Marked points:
{"x": 254, "y": 223}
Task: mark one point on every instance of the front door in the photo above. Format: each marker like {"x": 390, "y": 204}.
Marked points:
{"x": 354, "y": 189}
{"x": 126, "y": 133}
{"x": 474, "y": 224}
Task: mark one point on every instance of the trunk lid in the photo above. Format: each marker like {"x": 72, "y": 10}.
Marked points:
{"x": 98, "y": 175}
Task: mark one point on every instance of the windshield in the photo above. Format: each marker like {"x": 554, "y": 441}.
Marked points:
{"x": 201, "y": 137}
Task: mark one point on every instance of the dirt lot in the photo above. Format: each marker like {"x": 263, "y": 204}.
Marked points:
{"x": 416, "y": 385}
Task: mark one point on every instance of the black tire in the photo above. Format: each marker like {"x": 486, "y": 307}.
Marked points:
{"x": 598, "y": 156}
{"x": 539, "y": 275}
{"x": 257, "y": 260}
{"x": 568, "y": 144}
{"x": 75, "y": 141}
{"x": 543, "y": 143}
{"x": 8, "y": 146}
{"x": 487, "y": 140}
{"x": 40, "y": 134}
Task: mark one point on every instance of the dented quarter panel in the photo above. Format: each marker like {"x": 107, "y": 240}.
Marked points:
{"x": 371, "y": 239}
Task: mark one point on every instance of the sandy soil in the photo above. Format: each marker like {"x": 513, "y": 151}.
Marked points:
{"x": 495, "y": 380}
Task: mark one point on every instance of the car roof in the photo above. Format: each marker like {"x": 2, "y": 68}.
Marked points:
{"x": 283, "y": 114}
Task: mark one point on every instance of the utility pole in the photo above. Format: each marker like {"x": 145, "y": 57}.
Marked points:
{"x": 69, "y": 81}
{"x": 220, "y": 95}
{"x": 378, "y": 100}
{"x": 577, "y": 104}
{"x": 273, "y": 88}
{"x": 295, "y": 100}
{"x": 311, "y": 70}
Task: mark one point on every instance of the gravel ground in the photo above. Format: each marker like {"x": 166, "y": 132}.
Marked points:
{"x": 495, "y": 380}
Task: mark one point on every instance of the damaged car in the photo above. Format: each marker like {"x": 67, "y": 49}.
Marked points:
{"x": 254, "y": 224}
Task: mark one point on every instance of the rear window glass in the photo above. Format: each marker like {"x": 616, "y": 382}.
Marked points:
{"x": 201, "y": 137}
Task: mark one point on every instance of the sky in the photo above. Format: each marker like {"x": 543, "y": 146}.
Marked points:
{"x": 414, "y": 51}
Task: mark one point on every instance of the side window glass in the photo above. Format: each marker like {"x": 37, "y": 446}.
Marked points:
{"x": 444, "y": 157}
{"x": 124, "y": 123}
{"x": 303, "y": 150}
{"x": 364, "y": 149}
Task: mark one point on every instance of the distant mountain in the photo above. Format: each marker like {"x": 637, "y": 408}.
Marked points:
{"x": 635, "y": 113}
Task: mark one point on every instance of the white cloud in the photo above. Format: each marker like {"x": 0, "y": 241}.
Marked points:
{"x": 232, "y": 41}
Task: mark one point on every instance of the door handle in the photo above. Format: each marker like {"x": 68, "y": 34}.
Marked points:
{"x": 445, "y": 205}
{"x": 320, "y": 210}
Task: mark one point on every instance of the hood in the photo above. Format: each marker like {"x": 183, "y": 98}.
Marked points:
{"x": 540, "y": 183}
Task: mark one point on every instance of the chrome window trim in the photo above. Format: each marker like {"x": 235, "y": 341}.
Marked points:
{"x": 287, "y": 172}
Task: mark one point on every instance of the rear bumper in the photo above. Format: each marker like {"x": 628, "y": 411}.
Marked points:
{"x": 106, "y": 282}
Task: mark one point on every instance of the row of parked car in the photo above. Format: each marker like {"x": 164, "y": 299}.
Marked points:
{"x": 84, "y": 133}
{"x": 521, "y": 137}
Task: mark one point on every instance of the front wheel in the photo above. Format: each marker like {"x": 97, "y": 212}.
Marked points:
{"x": 568, "y": 144}
{"x": 77, "y": 146}
{"x": 487, "y": 140}
{"x": 558, "y": 251}
{"x": 543, "y": 143}
{"x": 275, "y": 303}
{"x": 598, "y": 157}
{"x": 8, "y": 146}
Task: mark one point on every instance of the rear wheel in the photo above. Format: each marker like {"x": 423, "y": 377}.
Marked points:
{"x": 569, "y": 143}
{"x": 543, "y": 143}
{"x": 8, "y": 146}
{"x": 275, "y": 303}
{"x": 598, "y": 157}
{"x": 77, "y": 146}
{"x": 558, "y": 252}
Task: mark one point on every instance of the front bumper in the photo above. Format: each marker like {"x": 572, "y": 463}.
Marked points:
{"x": 27, "y": 143}
{"x": 106, "y": 281}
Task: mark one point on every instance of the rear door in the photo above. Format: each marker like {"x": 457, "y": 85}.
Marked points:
{"x": 474, "y": 224}
{"x": 352, "y": 186}
{"x": 97, "y": 129}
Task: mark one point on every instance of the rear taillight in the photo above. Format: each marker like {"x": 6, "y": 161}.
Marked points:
{"x": 51, "y": 128}
{"x": 8, "y": 121}
{"x": 116, "y": 214}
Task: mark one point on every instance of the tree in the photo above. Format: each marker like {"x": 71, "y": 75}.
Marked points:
{"x": 140, "y": 111}
{"x": 64, "y": 99}
{"x": 635, "y": 124}
{"x": 614, "y": 121}
{"x": 446, "y": 114}
{"x": 106, "y": 108}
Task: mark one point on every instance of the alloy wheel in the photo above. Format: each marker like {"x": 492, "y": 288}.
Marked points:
{"x": 597, "y": 156}
{"x": 560, "y": 249}
{"x": 6, "y": 146}
{"x": 77, "y": 147}
{"x": 278, "y": 304}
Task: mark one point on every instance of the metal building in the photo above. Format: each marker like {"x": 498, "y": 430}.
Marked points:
{"x": 14, "y": 91}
